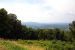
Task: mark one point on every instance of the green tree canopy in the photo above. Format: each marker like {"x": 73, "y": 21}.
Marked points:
{"x": 72, "y": 28}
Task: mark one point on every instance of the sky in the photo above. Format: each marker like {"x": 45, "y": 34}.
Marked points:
{"x": 41, "y": 11}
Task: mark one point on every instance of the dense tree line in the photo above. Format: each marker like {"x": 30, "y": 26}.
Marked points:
{"x": 11, "y": 28}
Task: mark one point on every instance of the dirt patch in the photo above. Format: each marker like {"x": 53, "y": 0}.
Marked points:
{"x": 33, "y": 47}
{"x": 2, "y": 47}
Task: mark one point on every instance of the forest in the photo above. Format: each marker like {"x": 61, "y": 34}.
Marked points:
{"x": 11, "y": 28}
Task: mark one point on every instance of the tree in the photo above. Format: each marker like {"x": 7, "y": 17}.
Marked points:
{"x": 3, "y": 22}
{"x": 58, "y": 34}
{"x": 14, "y": 26}
{"x": 10, "y": 26}
{"x": 72, "y": 28}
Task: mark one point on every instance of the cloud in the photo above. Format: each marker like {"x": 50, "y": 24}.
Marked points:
{"x": 34, "y": 1}
{"x": 46, "y": 11}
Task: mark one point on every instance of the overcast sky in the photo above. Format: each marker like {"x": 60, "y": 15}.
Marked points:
{"x": 42, "y": 11}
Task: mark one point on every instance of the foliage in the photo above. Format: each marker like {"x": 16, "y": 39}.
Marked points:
{"x": 10, "y": 26}
{"x": 72, "y": 29}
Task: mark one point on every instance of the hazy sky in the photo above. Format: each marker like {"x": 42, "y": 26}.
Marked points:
{"x": 43, "y": 11}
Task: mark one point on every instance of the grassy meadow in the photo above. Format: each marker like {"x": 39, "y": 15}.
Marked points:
{"x": 50, "y": 45}
{"x": 36, "y": 45}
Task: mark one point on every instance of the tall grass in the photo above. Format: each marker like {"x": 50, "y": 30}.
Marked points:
{"x": 46, "y": 44}
{"x": 50, "y": 45}
{"x": 11, "y": 46}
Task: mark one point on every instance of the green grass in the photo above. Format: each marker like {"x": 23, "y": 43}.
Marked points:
{"x": 47, "y": 44}
{"x": 11, "y": 46}
{"x": 50, "y": 45}
{"x": 61, "y": 45}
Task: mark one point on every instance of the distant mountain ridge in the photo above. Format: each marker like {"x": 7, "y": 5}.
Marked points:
{"x": 46, "y": 25}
